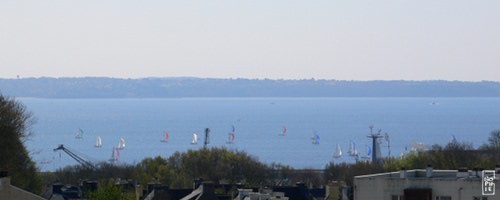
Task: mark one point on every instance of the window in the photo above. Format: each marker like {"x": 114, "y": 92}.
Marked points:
{"x": 443, "y": 197}
{"x": 479, "y": 198}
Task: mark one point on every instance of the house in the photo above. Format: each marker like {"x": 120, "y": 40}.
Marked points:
{"x": 425, "y": 184}
{"x": 10, "y": 192}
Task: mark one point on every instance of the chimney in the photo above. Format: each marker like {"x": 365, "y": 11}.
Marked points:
{"x": 463, "y": 172}
{"x": 402, "y": 173}
{"x": 428, "y": 171}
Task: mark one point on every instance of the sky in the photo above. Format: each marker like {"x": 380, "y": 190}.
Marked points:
{"x": 276, "y": 39}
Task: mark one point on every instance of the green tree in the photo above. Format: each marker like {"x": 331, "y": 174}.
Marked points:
{"x": 494, "y": 139}
{"x": 214, "y": 164}
{"x": 109, "y": 191}
{"x": 14, "y": 157}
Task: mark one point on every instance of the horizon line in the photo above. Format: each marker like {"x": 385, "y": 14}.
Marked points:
{"x": 236, "y": 78}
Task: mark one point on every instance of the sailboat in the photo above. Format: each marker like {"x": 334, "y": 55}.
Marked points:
{"x": 79, "y": 134}
{"x": 352, "y": 149}
{"x": 230, "y": 136}
{"x": 368, "y": 155}
{"x": 195, "y": 139}
{"x": 338, "y": 152}
{"x": 115, "y": 155}
{"x": 315, "y": 138}
{"x": 283, "y": 132}
{"x": 98, "y": 142}
{"x": 165, "y": 139}
{"x": 121, "y": 144}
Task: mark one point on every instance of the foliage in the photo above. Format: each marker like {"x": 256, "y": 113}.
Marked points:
{"x": 14, "y": 157}
{"x": 346, "y": 171}
{"x": 74, "y": 174}
{"x": 451, "y": 156}
{"x": 494, "y": 139}
{"x": 215, "y": 164}
{"x": 110, "y": 191}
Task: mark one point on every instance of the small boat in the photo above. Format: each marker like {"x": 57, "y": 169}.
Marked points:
{"x": 165, "y": 139}
{"x": 283, "y": 132}
{"x": 315, "y": 138}
{"x": 115, "y": 155}
{"x": 352, "y": 149}
{"x": 194, "y": 139}
{"x": 79, "y": 134}
{"x": 98, "y": 142}
{"x": 338, "y": 152}
{"x": 368, "y": 155}
{"x": 121, "y": 144}
{"x": 230, "y": 138}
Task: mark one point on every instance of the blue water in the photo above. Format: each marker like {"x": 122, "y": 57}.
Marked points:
{"x": 258, "y": 123}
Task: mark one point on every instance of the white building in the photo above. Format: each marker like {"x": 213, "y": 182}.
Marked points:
{"x": 10, "y": 192}
{"x": 423, "y": 184}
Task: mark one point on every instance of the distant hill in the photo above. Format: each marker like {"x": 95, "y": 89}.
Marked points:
{"x": 91, "y": 87}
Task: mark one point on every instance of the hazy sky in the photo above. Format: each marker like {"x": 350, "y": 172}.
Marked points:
{"x": 324, "y": 39}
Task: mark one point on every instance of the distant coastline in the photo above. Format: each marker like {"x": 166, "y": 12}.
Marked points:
{"x": 178, "y": 87}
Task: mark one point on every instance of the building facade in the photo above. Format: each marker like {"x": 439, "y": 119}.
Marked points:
{"x": 424, "y": 184}
{"x": 10, "y": 192}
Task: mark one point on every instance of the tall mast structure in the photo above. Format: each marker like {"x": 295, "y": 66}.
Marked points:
{"x": 376, "y": 153}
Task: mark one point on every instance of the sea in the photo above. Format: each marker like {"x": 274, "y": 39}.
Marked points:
{"x": 258, "y": 127}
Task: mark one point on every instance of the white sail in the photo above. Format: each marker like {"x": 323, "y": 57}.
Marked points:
{"x": 114, "y": 156}
{"x": 121, "y": 144}
{"x": 338, "y": 152}
{"x": 98, "y": 142}
{"x": 352, "y": 149}
{"x": 195, "y": 139}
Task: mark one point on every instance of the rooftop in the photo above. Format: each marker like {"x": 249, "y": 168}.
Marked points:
{"x": 428, "y": 174}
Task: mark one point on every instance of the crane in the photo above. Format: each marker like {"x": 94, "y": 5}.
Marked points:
{"x": 78, "y": 159}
